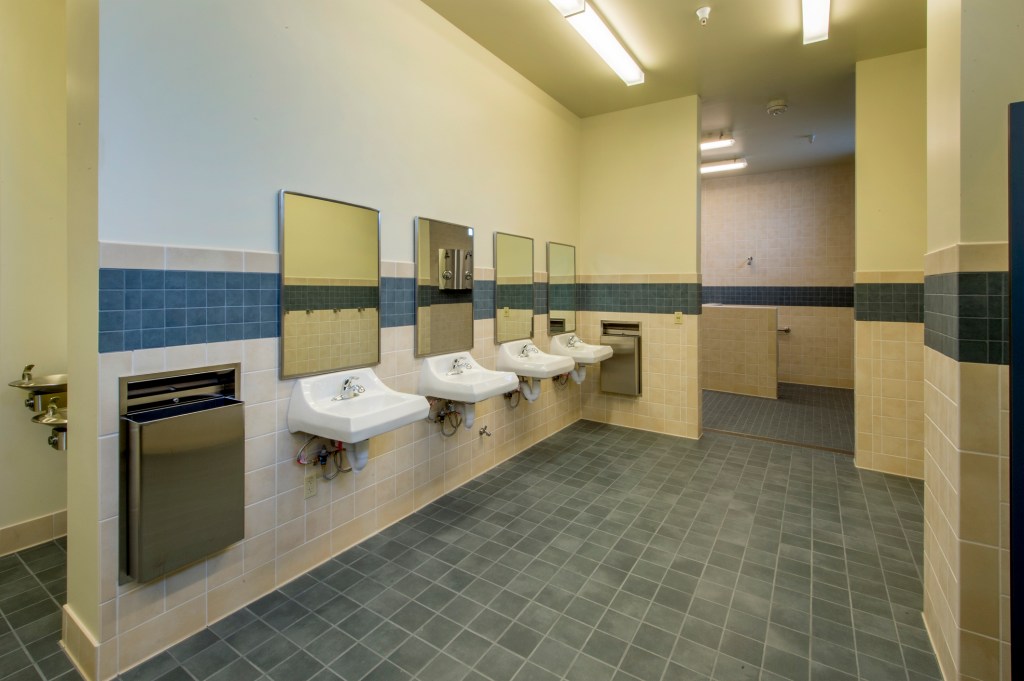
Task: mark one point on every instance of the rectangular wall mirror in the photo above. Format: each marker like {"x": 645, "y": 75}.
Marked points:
{"x": 561, "y": 288}
{"x": 513, "y": 294}
{"x": 444, "y": 287}
{"x": 330, "y": 285}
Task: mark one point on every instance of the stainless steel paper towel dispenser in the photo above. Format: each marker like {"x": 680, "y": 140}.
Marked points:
{"x": 621, "y": 373}
{"x": 182, "y": 492}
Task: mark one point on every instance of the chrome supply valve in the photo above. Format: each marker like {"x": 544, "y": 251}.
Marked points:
{"x": 349, "y": 389}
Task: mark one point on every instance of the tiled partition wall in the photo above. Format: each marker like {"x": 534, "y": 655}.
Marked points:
{"x": 966, "y": 443}
{"x": 740, "y": 350}
{"x": 285, "y": 534}
{"x": 889, "y": 383}
{"x": 671, "y": 399}
{"x": 798, "y": 228}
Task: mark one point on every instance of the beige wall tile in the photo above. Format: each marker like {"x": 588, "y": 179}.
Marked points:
{"x": 797, "y": 224}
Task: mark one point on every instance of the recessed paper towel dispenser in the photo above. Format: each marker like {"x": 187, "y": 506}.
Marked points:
{"x": 621, "y": 373}
{"x": 182, "y": 492}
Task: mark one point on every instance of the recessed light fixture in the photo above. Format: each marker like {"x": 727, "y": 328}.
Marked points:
{"x": 815, "y": 21}
{"x": 722, "y": 166}
{"x": 721, "y": 142}
{"x": 588, "y": 24}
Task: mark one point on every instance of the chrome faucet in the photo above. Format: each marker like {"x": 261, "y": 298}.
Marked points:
{"x": 528, "y": 350}
{"x": 458, "y": 365}
{"x": 349, "y": 389}
{"x": 573, "y": 341}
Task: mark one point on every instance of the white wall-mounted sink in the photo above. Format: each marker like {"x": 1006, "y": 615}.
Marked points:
{"x": 458, "y": 377}
{"x": 526, "y": 359}
{"x": 351, "y": 406}
{"x": 569, "y": 345}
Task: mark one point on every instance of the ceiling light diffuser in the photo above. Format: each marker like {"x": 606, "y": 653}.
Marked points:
{"x": 720, "y": 142}
{"x": 815, "y": 21}
{"x": 589, "y": 25}
{"x": 722, "y": 166}
{"x": 567, "y": 7}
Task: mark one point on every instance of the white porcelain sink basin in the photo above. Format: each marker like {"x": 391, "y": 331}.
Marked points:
{"x": 525, "y": 359}
{"x": 569, "y": 345}
{"x": 351, "y": 406}
{"x": 458, "y": 377}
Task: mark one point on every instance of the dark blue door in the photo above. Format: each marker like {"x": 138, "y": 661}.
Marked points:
{"x": 1017, "y": 383}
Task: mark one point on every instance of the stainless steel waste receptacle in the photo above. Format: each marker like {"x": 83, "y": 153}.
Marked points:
{"x": 182, "y": 468}
{"x": 621, "y": 372}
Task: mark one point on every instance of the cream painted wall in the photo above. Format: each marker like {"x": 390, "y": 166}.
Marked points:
{"x": 891, "y": 172}
{"x": 943, "y": 123}
{"x": 974, "y": 59}
{"x": 992, "y": 77}
{"x": 640, "y": 190}
{"x": 378, "y": 103}
{"x": 33, "y": 247}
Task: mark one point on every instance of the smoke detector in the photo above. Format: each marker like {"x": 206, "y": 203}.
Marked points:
{"x": 777, "y": 107}
{"x": 702, "y": 15}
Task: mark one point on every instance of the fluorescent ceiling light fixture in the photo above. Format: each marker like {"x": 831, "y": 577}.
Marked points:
{"x": 722, "y": 166}
{"x": 567, "y": 7}
{"x": 720, "y": 142}
{"x": 815, "y": 21}
{"x": 588, "y": 24}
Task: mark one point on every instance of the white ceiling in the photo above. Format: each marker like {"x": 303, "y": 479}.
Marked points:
{"x": 750, "y": 52}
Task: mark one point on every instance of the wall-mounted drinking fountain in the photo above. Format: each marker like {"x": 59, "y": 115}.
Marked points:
{"x": 57, "y": 418}
{"x": 48, "y": 396}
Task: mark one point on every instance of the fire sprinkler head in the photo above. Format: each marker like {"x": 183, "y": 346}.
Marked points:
{"x": 702, "y": 15}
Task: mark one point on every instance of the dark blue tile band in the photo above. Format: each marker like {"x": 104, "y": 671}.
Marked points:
{"x": 640, "y": 298}
{"x": 305, "y": 297}
{"x": 398, "y": 302}
{"x": 483, "y": 299}
{"x": 966, "y": 316}
{"x": 781, "y": 296}
{"x": 160, "y": 308}
{"x": 515, "y": 296}
{"x": 540, "y": 297}
{"x": 889, "y": 303}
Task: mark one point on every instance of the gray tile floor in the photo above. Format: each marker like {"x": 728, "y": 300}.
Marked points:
{"x": 608, "y": 553}
{"x": 32, "y": 590}
{"x": 803, "y": 414}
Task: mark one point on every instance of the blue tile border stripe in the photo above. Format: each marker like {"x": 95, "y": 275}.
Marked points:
{"x": 483, "y": 299}
{"x": 141, "y": 309}
{"x": 781, "y": 296}
{"x": 397, "y": 302}
{"x": 889, "y": 303}
{"x": 640, "y": 298}
{"x": 966, "y": 316}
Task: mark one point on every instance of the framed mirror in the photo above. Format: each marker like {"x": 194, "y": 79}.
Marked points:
{"x": 561, "y": 288}
{"x": 330, "y": 285}
{"x": 513, "y": 291}
{"x": 444, "y": 287}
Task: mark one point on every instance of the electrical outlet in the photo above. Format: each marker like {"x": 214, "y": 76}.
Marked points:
{"x": 679, "y": 317}
{"x": 310, "y": 482}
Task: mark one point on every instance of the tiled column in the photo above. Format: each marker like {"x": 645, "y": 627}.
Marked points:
{"x": 889, "y": 380}
{"x": 967, "y": 460}
{"x": 671, "y": 399}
